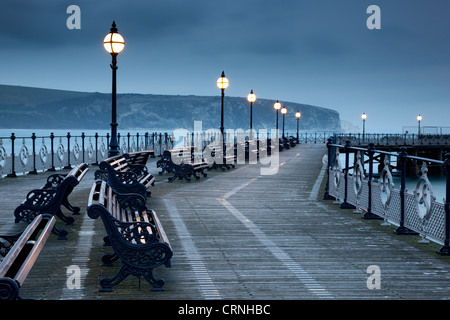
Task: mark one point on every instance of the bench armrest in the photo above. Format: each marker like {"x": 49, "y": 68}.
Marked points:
{"x": 139, "y": 169}
{"x": 131, "y": 201}
{"x": 54, "y": 180}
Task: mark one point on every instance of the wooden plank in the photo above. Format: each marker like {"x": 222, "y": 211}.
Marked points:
{"x": 18, "y": 246}
{"x": 162, "y": 234}
{"x": 94, "y": 194}
{"x": 34, "y": 253}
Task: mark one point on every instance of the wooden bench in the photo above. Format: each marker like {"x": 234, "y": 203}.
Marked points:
{"x": 284, "y": 144}
{"x": 252, "y": 149}
{"x": 134, "y": 232}
{"x": 48, "y": 200}
{"x": 139, "y": 157}
{"x": 21, "y": 252}
{"x": 54, "y": 180}
{"x": 183, "y": 164}
{"x": 128, "y": 163}
{"x": 126, "y": 176}
{"x": 292, "y": 141}
{"x": 229, "y": 159}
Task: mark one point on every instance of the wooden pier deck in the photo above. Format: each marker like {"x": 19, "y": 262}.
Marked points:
{"x": 241, "y": 235}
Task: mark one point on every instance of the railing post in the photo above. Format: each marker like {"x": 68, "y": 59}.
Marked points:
{"x": 326, "y": 195}
{"x": 96, "y": 148}
{"x": 33, "y": 139}
{"x": 166, "y": 140}
{"x": 402, "y": 229}
{"x": 82, "y": 144}
{"x": 13, "y": 158}
{"x": 160, "y": 144}
{"x": 345, "y": 204}
{"x": 137, "y": 141}
{"x": 52, "y": 151}
{"x": 445, "y": 250}
{"x": 68, "y": 152}
{"x": 369, "y": 214}
{"x": 146, "y": 141}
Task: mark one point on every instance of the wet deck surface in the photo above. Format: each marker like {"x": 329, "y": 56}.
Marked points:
{"x": 241, "y": 235}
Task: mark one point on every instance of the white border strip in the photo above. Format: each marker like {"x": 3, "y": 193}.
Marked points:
{"x": 207, "y": 286}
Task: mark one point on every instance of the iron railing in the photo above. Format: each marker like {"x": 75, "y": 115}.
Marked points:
{"x": 33, "y": 154}
{"x": 352, "y": 185}
{"x": 389, "y": 139}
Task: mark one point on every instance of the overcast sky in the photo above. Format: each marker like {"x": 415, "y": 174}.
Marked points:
{"x": 317, "y": 52}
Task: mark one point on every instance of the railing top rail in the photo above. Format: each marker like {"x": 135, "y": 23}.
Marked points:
{"x": 387, "y": 153}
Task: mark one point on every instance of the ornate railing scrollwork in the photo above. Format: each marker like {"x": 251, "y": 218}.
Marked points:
{"x": 358, "y": 180}
{"x": 386, "y": 183}
{"x": 337, "y": 171}
{"x": 90, "y": 150}
{"x": 423, "y": 194}
{"x": 43, "y": 153}
{"x": 60, "y": 151}
{"x": 76, "y": 150}
{"x": 102, "y": 148}
{"x": 124, "y": 147}
{"x": 23, "y": 155}
{"x": 358, "y": 176}
{"x": 3, "y": 157}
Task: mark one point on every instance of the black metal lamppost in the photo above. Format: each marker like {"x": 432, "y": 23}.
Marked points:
{"x": 419, "y": 119}
{"x": 222, "y": 83}
{"x": 277, "y": 107}
{"x": 283, "y": 111}
{"x": 364, "y": 117}
{"x": 298, "y": 115}
{"x": 251, "y": 98}
{"x": 114, "y": 44}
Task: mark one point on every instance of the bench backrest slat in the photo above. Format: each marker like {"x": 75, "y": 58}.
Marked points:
{"x": 17, "y": 248}
{"x": 16, "y": 265}
{"x": 34, "y": 253}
